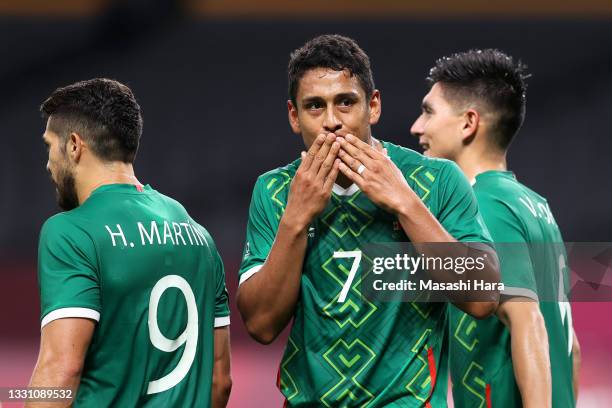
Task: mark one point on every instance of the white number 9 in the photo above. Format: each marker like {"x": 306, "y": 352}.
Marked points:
{"x": 189, "y": 337}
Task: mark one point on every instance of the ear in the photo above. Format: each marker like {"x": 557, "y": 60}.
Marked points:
{"x": 375, "y": 107}
{"x": 471, "y": 122}
{"x": 292, "y": 114}
{"x": 74, "y": 147}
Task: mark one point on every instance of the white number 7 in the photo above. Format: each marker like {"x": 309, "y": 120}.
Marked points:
{"x": 351, "y": 276}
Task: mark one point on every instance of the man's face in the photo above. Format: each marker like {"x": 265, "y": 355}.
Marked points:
{"x": 332, "y": 101}
{"x": 439, "y": 128}
{"x": 61, "y": 171}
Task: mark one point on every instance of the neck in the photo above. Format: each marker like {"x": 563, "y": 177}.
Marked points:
{"x": 343, "y": 181}
{"x": 473, "y": 162}
{"x": 93, "y": 177}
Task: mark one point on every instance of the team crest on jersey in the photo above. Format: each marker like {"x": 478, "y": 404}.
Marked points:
{"x": 311, "y": 232}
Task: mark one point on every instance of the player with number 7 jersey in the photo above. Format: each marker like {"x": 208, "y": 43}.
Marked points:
{"x": 308, "y": 224}
{"x": 345, "y": 350}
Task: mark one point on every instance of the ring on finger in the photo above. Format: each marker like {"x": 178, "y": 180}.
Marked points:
{"x": 361, "y": 169}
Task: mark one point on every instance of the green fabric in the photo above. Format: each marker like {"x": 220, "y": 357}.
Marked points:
{"x": 480, "y": 352}
{"x": 361, "y": 353}
{"x": 107, "y": 255}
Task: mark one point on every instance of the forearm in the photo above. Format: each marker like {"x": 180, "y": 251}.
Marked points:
{"x": 54, "y": 375}
{"x": 431, "y": 238}
{"x": 267, "y": 299}
{"x": 221, "y": 389}
{"x": 418, "y": 222}
{"x": 530, "y": 359}
{"x": 576, "y": 360}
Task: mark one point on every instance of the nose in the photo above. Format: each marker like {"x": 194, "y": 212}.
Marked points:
{"x": 417, "y": 127}
{"x": 331, "y": 123}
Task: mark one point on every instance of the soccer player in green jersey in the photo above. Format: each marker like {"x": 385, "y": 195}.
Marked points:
{"x": 307, "y": 222}
{"x": 133, "y": 297}
{"x": 475, "y": 106}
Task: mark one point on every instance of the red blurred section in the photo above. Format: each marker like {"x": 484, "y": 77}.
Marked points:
{"x": 255, "y": 366}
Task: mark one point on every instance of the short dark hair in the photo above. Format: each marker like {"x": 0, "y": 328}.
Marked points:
{"x": 102, "y": 111}
{"x": 330, "y": 51}
{"x": 489, "y": 76}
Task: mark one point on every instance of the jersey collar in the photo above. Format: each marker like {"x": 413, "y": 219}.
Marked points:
{"x": 122, "y": 188}
{"x": 492, "y": 174}
{"x": 341, "y": 191}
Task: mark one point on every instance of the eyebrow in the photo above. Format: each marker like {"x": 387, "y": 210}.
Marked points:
{"x": 426, "y": 106}
{"x": 310, "y": 99}
{"x": 350, "y": 95}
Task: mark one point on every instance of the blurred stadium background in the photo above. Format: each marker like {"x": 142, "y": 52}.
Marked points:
{"x": 210, "y": 76}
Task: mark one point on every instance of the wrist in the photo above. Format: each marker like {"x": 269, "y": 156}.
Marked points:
{"x": 294, "y": 224}
{"x": 406, "y": 204}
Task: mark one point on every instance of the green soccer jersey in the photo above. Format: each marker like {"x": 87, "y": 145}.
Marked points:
{"x": 133, "y": 260}
{"x": 356, "y": 352}
{"x": 480, "y": 352}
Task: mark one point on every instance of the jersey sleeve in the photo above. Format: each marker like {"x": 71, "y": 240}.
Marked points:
{"x": 222, "y": 312}
{"x": 67, "y": 272}
{"x": 516, "y": 265}
{"x": 457, "y": 207}
{"x": 261, "y": 231}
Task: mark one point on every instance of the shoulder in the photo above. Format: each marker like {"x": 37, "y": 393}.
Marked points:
{"x": 532, "y": 193}
{"x": 284, "y": 172}
{"x": 503, "y": 192}
{"x": 273, "y": 182}
{"x": 62, "y": 224}
{"x": 67, "y": 233}
{"x": 171, "y": 203}
{"x": 499, "y": 201}
{"x": 410, "y": 161}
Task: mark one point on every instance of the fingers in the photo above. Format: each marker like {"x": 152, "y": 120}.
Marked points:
{"x": 308, "y": 157}
{"x": 369, "y": 150}
{"x": 322, "y": 154}
{"x": 353, "y": 152}
{"x": 349, "y": 160}
{"x": 328, "y": 163}
{"x": 332, "y": 175}
{"x": 351, "y": 175}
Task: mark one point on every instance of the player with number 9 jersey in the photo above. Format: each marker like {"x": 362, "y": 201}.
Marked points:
{"x": 135, "y": 261}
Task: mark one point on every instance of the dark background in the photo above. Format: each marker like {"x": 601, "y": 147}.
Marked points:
{"x": 214, "y": 100}
{"x": 213, "y": 93}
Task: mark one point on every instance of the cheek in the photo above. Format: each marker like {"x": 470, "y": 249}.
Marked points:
{"x": 55, "y": 163}
{"x": 356, "y": 121}
{"x": 309, "y": 124}
{"x": 308, "y": 131}
{"x": 53, "y": 158}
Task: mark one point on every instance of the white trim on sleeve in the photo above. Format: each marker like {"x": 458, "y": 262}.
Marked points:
{"x": 510, "y": 291}
{"x": 70, "y": 312}
{"x": 249, "y": 273}
{"x": 222, "y": 321}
